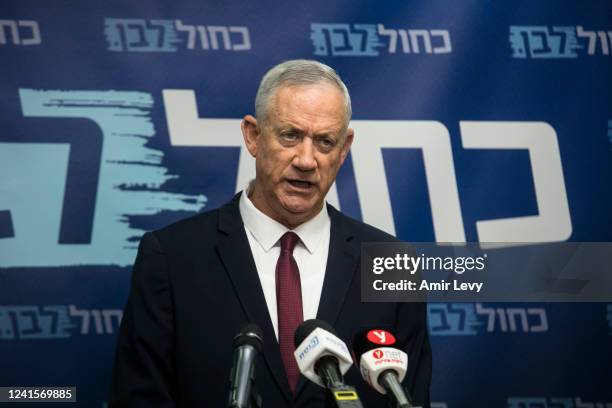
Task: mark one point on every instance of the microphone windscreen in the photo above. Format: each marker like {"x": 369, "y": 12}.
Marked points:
{"x": 308, "y": 327}
{"x": 371, "y": 339}
{"x": 250, "y": 334}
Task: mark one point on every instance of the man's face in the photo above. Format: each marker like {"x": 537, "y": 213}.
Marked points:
{"x": 298, "y": 151}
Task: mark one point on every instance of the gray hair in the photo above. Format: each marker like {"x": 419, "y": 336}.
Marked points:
{"x": 296, "y": 73}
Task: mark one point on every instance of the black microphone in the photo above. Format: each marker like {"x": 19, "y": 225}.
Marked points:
{"x": 381, "y": 365}
{"x": 323, "y": 358}
{"x": 247, "y": 344}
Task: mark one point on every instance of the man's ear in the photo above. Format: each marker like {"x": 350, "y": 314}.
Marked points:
{"x": 348, "y": 140}
{"x": 250, "y": 133}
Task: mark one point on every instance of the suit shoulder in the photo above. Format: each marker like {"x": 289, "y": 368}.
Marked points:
{"x": 189, "y": 229}
{"x": 362, "y": 231}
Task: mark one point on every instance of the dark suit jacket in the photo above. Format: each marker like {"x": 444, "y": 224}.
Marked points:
{"x": 195, "y": 283}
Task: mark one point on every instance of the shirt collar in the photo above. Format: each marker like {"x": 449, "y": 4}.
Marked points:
{"x": 267, "y": 231}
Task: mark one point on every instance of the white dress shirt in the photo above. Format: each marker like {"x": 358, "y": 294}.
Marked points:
{"x": 310, "y": 254}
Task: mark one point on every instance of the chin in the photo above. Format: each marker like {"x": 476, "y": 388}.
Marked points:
{"x": 298, "y": 209}
{"x": 299, "y": 206}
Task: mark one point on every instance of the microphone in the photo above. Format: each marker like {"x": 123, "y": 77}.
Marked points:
{"x": 247, "y": 344}
{"x": 383, "y": 367}
{"x": 323, "y": 358}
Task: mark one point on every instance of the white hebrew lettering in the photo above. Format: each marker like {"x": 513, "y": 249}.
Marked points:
{"x": 414, "y": 39}
{"x": 83, "y": 314}
{"x": 542, "y": 326}
{"x": 35, "y": 38}
{"x": 590, "y": 35}
{"x": 434, "y": 141}
{"x": 213, "y": 31}
{"x": 203, "y": 37}
{"x": 604, "y": 42}
{"x": 522, "y": 314}
{"x": 12, "y": 26}
{"x": 246, "y": 40}
{"x": 108, "y": 319}
{"x": 553, "y": 223}
{"x": 97, "y": 317}
{"x": 446, "y": 44}
{"x": 392, "y": 37}
{"x": 490, "y": 316}
{"x": 191, "y": 33}
{"x": 405, "y": 44}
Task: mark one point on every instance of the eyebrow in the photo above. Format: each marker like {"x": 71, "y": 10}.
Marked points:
{"x": 291, "y": 128}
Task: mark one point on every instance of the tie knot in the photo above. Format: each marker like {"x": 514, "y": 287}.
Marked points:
{"x": 288, "y": 241}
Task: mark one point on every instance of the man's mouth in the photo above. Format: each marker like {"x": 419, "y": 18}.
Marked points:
{"x": 300, "y": 183}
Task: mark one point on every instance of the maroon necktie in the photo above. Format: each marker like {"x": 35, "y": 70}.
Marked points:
{"x": 289, "y": 305}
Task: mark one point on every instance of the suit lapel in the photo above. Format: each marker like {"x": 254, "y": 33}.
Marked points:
{"x": 235, "y": 252}
{"x": 342, "y": 260}
{"x": 341, "y": 265}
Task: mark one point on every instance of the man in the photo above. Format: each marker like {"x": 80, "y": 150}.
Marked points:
{"x": 275, "y": 255}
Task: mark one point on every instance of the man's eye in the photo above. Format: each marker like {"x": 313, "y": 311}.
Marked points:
{"x": 289, "y": 136}
{"x": 327, "y": 143}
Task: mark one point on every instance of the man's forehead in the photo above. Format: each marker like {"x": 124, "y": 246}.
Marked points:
{"x": 323, "y": 86}
{"x": 318, "y": 100}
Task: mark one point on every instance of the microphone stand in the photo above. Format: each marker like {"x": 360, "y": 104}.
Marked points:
{"x": 340, "y": 395}
{"x": 393, "y": 402}
{"x": 397, "y": 396}
{"x": 255, "y": 400}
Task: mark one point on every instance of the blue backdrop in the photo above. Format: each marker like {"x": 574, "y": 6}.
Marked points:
{"x": 475, "y": 121}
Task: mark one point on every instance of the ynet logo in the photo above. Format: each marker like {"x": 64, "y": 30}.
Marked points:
{"x": 388, "y": 355}
{"x": 557, "y": 42}
{"x": 543, "y": 402}
{"x": 468, "y": 319}
{"x": 365, "y": 40}
{"x": 380, "y": 337}
{"x": 139, "y": 35}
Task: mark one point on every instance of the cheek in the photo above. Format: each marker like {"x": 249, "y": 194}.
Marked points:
{"x": 329, "y": 168}
{"x": 277, "y": 166}
{"x": 283, "y": 160}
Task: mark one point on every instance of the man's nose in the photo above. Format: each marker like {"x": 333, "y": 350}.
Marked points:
{"x": 305, "y": 155}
